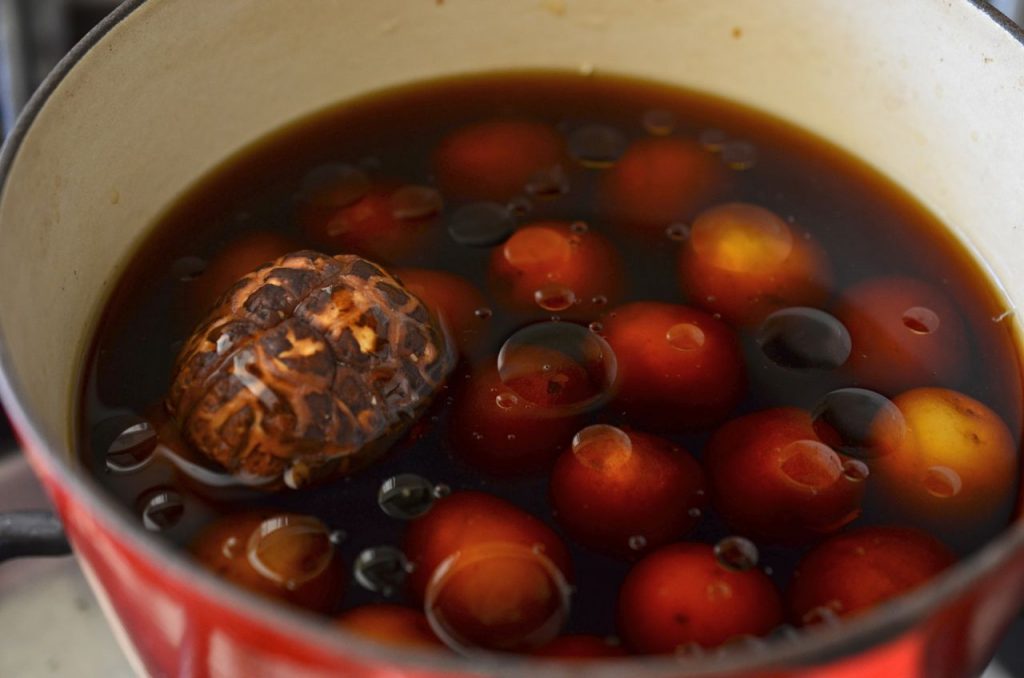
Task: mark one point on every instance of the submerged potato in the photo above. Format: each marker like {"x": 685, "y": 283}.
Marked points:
{"x": 955, "y": 465}
{"x": 308, "y": 367}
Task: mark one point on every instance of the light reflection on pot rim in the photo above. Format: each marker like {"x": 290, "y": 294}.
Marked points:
{"x": 815, "y": 648}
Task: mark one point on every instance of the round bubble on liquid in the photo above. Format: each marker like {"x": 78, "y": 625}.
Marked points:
{"x": 738, "y": 155}
{"x": 860, "y": 423}
{"x": 560, "y": 365}
{"x": 162, "y": 509}
{"x": 290, "y": 550}
{"x": 597, "y": 146}
{"x": 132, "y": 446}
{"x": 334, "y": 185}
{"x": 548, "y": 183}
{"x": 921, "y": 320}
{"x": 602, "y": 447}
{"x": 554, "y": 297}
{"x": 381, "y": 569}
{"x": 415, "y": 203}
{"x": 658, "y": 121}
{"x": 187, "y": 268}
{"x": 481, "y": 224}
{"x": 737, "y": 554}
{"x": 406, "y": 496}
{"x": 804, "y": 338}
{"x": 499, "y": 596}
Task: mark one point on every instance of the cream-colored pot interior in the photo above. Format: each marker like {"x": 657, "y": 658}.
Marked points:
{"x": 930, "y": 92}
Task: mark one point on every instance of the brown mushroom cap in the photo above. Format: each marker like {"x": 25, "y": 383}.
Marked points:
{"x": 308, "y": 367}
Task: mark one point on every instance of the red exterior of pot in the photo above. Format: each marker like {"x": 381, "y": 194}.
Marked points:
{"x": 176, "y": 629}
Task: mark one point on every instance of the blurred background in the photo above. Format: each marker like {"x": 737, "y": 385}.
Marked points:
{"x": 52, "y": 625}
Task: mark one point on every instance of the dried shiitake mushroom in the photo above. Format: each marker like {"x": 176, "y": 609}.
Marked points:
{"x": 309, "y": 367}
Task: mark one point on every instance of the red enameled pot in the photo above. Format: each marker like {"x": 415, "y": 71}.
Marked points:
{"x": 929, "y": 92}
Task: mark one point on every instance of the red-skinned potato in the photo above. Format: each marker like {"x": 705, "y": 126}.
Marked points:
{"x": 285, "y": 556}
{"x": 502, "y": 434}
{"x": 388, "y": 223}
{"x": 745, "y": 262}
{"x": 853, "y": 572}
{"x": 453, "y": 298}
{"x": 548, "y": 267}
{"x": 580, "y": 647}
{"x": 241, "y": 256}
{"x": 679, "y": 368}
{"x": 659, "y": 181}
{"x": 495, "y": 160}
{"x": 391, "y": 625}
{"x": 772, "y": 478}
{"x": 955, "y": 466}
{"x": 491, "y": 576}
{"x": 905, "y": 333}
{"x": 626, "y": 492}
{"x": 680, "y": 594}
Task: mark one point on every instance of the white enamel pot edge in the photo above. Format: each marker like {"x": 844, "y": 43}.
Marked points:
{"x": 165, "y": 90}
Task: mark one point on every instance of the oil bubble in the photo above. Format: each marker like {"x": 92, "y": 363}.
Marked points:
{"x": 677, "y": 231}
{"x": 497, "y": 596}
{"x": 162, "y": 509}
{"x": 601, "y": 447}
{"x": 739, "y": 155}
{"x": 132, "y": 447}
{"x": 554, "y": 297}
{"x": 921, "y": 320}
{"x": 290, "y": 549}
{"x": 804, "y": 338}
{"x": 712, "y": 139}
{"x": 381, "y": 569}
{"x": 737, "y": 554}
{"x": 406, "y": 496}
{"x": 558, "y": 364}
{"x": 811, "y": 463}
{"x": 685, "y": 337}
{"x": 942, "y": 482}
{"x": 597, "y": 146}
{"x": 481, "y": 224}
{"x": 658, "y": 121}
{"x": 414, "y": 203}
{"x": 186, "y": 269}
{"x": 334, "y": 186}
{"x": 548, "y": 183}
{"x": 859, "y": 422}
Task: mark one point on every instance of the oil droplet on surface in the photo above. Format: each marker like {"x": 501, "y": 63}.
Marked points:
{"x": 637, "y": 542}
{"x": 554, "y": 297}
{"x": 859, "y": 422}
{"x": 597, "y": 146}
{"x": 162, "y": 509}
{"x": 712, "y": 139}
{"x": 229, "y": 549}
{"x": 736, "y": 554}
{"x": 599, "y": 300}
{"x": 506, "y": 400}
{"x": 406, "y": 496}
{"x": 659, "y": 122}
{"x": 558, "y": 365}
{"x": 811, "y": 463}
{"x": 739, "y": 155}
{"x": 133, "y": 446}
{"x": 497, "y": 596}
{"x": 685, "y": 337}
{"x": 289, "y": 549}
{"x": 920, "y": 320}
{"x": 694, "y": 512}
{"x": 548, "y": 183}
{"x": 186, "y": 269}
{"x": 942, "y": 482}
{"x": 678, "y": 232}
{"x": 579, "y": 227}
{"x": 381, "y": 569}
{"x": 804, "y": 338}
{"x": 414, "y": 203}
{"x": 441, "y": 490}
{"x": 483, "y": 313}
{"x": 519, "y": 206}
{"x": 481, "y": 224}
{"x": 856, "y": 470}
{"x": 596, "y": 327}
{"x": 601, "y": 447}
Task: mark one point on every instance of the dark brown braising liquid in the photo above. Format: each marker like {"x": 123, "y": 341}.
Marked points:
{"x": 867, "y": 227}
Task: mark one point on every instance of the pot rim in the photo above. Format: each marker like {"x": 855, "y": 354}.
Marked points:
{"x": 813, "y": 647}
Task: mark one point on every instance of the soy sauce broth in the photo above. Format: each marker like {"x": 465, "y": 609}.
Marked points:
{"x": 867, "y": 226}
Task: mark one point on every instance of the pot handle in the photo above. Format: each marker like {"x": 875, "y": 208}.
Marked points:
{"x": 31, "y": 533}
